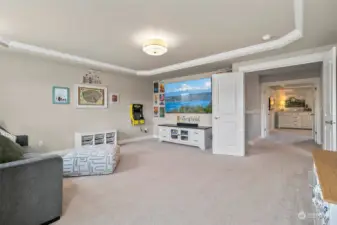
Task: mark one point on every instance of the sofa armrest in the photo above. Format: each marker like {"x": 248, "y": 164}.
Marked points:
{"x": 22, "y": 140}
{"x": 31, "y": 190}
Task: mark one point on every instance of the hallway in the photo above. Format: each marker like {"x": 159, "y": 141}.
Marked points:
{"x": 297, "y": 141}
{"x": 292, "y": 137}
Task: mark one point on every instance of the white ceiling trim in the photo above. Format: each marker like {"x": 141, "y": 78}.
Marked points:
{"x": 289, "y": 38}
{"x": 67, "y": 57}
{"x": 285, "y": 62}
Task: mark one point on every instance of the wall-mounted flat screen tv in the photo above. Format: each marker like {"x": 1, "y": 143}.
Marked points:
{"x": 192, "y": 96}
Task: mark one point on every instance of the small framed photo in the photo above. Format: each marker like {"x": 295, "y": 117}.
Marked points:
{"x": 156, "y": 87}
{"x": 155, "y": 111}
{"x": 161, "y": 87}
{"x": 156, "y": 99}
{"x": 161, "y": 99}
{"x": 114, "y": 98}
{"x": 61, "y": 95}
{"x": 162, "y": 112}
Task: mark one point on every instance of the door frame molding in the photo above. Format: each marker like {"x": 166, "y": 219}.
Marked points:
{"x": 318, "y": 104}
{"x": 285, "y": 61}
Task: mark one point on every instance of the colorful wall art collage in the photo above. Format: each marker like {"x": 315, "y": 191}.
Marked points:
{"x": 158, "y": 99}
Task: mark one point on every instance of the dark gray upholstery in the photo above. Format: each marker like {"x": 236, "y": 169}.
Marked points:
{"x": 31, "y": 190}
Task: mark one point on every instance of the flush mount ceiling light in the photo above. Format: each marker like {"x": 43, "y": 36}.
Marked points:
{"x": 155, "y": 47}
{"x": 4, "y": 43}
{"x": 266, "y": 37}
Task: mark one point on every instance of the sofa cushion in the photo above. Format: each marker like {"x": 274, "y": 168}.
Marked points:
{"x": 5, "y": 133}
{"x": 9, "y": 151}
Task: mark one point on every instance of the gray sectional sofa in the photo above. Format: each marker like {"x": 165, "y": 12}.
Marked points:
{"x": 31, "y": 190}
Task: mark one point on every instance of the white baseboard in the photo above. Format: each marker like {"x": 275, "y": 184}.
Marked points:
{"x": 121, "y": 142}
{"x": 254, "y": 141}
{"x": 125, "y": 141}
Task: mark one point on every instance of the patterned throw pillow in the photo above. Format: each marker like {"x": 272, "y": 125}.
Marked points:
{"x": 8, "y": 135}
{"x": 9, "y": 151}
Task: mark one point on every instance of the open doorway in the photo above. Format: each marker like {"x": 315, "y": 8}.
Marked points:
{"x": 241, "y": 90}
{"x": 290, "y": 115}
{"x": 291, "y": 107}
{"x": 288, "y": 103}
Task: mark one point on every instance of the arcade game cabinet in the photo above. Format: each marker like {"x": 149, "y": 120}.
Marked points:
{"x": 136, "y": 114}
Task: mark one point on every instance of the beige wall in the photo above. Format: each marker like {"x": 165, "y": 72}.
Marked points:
{"x": 26, "y": 102}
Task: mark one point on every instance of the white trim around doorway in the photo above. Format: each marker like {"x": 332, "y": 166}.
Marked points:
{"x": 318, "y": 105}
{"x": 285, "y": 61}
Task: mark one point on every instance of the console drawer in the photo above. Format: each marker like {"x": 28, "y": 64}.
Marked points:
{"x": 197, "y": 134}
{"x": 164, "y": 137}
{"x": 164, "y": 131}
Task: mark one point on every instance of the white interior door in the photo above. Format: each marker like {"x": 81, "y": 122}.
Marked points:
{"x": 329, "y": 101}
{"x": 269, "y": 114}
{"x": 265, "y": 112}
{"x": 228, "y": 114}
{"x": 312, "y": 116}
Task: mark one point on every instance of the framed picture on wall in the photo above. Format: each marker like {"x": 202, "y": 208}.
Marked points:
{"x": 161, "y": 99}
{"x": 162, "y": 112}
{"x": 61, "y": 95}
{"x": 161, "y": 87}
{"x": 155, "y": 87}
{"x": 91, "y": 96}
{"x": 155, "y": 99}
{"x": 114, "y": 98}
{"x": 155, "y": 111}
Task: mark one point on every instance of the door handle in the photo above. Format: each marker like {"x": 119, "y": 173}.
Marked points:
{"x": 330, "y": 122}
{"x": 217, "y": 117}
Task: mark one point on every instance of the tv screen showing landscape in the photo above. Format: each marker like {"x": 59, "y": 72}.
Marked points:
{"x": 193, "y": 96}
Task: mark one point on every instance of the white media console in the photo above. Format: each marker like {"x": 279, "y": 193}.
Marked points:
{"x": 195, "y": 136}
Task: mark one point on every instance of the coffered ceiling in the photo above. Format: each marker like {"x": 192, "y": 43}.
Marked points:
{"x": 113, "y": 31}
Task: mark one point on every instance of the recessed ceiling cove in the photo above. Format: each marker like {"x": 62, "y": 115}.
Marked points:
{"x": 103, "y": 33}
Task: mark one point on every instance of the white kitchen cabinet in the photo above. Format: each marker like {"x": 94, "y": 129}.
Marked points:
{"x": 297, "y": 120}
{"x": 307, "y": 121}
{"x": 195, "y": 136}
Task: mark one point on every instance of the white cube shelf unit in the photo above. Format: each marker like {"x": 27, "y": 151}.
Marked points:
{"x": 96, "y": 138}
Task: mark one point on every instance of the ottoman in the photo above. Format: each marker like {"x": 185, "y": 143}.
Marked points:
{"x": 93, "y": 160}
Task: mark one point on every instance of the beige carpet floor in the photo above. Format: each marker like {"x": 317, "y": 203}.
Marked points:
{"x": 168, "y": 184}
